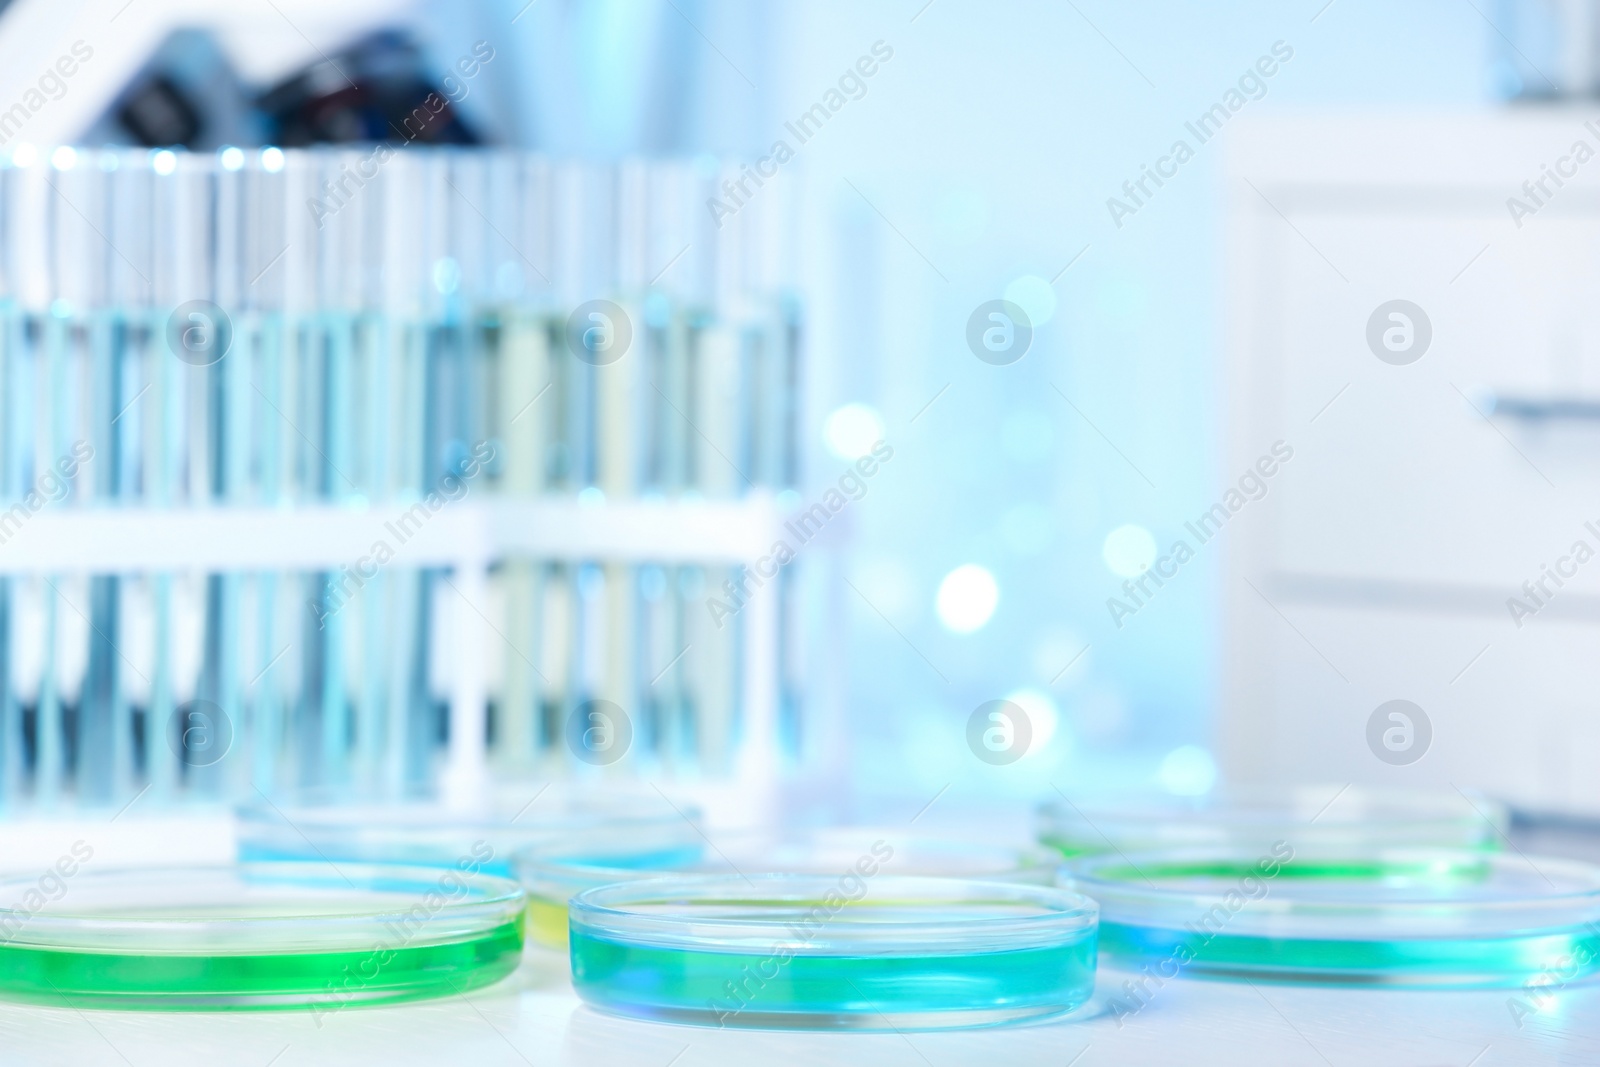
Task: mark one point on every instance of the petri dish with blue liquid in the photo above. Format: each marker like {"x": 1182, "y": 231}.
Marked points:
{"x": 843, "y": 951}
{"x": 1435, "y": 918}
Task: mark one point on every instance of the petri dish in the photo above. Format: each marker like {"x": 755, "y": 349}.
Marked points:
{"x": 555, "y": 871}
{"x": 1256, "y": 817}
{"x": 420, "y": 834}
{"x": 1414, "y": 917}
{"x": 832, "y": 952}
{"x": 270, "y": 935}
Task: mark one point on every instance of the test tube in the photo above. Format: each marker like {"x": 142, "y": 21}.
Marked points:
{"x": 205, "y": 667}
{"x": 13, "y": 762}
{"x": 259, "y": 340}
{"x": 406, "y": 285}
{"x": 520, "y": 199}
{"x": 93, "y": 358}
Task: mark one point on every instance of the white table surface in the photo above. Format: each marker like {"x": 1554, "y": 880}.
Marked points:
{"x": 533, "y": 1017}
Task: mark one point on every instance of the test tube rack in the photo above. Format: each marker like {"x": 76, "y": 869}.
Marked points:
{"x": 317, "y": 471}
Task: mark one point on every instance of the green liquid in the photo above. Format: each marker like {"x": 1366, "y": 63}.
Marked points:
{"x": 321, "y": 981}
{"x": 1073, "y": 848}
{"x": 742, "y": 988}
{"x": 1469, "y": 868}
{"x": 1462, "y": 962}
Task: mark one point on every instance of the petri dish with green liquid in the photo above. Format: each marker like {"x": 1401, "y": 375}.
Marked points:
{"x": 1439, "y": 918}
{"x": 1331, "y": 816}
{"x": 555, "y": 871}
{"x": 256, "y": 936}
{"x": 844, "y": 951}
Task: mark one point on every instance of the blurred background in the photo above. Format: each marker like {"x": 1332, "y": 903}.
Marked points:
{"x": 1170, "y": 322}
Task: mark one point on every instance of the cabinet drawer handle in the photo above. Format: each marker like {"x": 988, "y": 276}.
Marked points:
{"x": 1544, "y": 409}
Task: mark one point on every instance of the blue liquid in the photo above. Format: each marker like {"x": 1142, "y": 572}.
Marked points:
{"x": 734, "y": 988}
{"x": 1456, "y": 962}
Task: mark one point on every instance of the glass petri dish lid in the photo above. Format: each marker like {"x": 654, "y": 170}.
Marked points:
{"x": 555, "y": 871}
{"x": 832, "y": 952}
{"x": 1416, "y": 917}
{"x": 269, "y": 935}
{"x": 1254, "y": 817}
{"x": 420, "y": 834}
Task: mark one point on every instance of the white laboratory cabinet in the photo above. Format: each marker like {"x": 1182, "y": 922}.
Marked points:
{"x": 1429, "y": 487}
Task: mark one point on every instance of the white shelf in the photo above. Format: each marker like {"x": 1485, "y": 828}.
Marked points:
{"x": 467, "y": 536}
{"x": 126, "y": 539}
